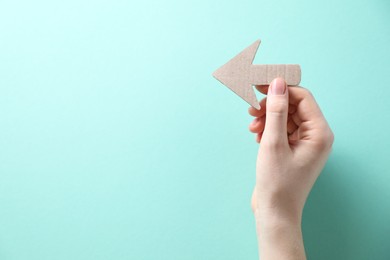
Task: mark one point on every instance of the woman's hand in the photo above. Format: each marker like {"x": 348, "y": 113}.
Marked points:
{"x": 295, "y": 141}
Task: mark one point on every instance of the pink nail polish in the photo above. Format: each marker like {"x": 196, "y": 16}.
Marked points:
{"x": 278, "y": 86}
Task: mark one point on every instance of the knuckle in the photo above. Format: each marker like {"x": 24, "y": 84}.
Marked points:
{"x": 326, "y": 140}
{"x": 331, "y": 137}
{"x": 306, "y": 93}
{"x": 273, "y": 144}
{"x": 309, "y": 93}
{"x": 277, "y": 108}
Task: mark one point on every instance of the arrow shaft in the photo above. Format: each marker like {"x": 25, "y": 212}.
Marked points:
{"x": 263, "y": 74}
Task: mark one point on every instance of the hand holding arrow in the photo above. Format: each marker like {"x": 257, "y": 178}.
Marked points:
{"x": 239, "y": 74}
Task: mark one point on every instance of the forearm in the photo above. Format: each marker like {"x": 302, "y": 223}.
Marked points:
{"x": 279, "y": 237}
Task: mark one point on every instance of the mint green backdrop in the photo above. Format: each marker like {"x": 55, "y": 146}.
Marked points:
{"x": 116, "y": 142}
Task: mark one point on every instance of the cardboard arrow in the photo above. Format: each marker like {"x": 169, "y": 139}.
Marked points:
{"x": 239, "y": 74}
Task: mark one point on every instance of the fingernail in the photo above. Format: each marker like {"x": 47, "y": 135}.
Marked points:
{"x": 278, "y": 86}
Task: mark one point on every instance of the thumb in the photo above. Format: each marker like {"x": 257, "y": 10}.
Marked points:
{"x": 275, "y": 131}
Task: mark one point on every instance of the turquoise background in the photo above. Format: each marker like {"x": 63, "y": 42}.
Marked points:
{"x": 116, "y": 142}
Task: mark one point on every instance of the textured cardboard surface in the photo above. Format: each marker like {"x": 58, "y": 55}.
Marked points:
{"x": 239, "y": 74}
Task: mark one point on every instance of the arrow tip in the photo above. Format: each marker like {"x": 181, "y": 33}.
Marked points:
{"x": 235, "y": 74}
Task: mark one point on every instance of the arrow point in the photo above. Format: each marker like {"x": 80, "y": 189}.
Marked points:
{"x": 239, "y": 65}
{"x": 235, "y": 74}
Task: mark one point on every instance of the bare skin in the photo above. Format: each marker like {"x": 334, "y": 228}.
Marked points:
{"x": 295, "y": 142}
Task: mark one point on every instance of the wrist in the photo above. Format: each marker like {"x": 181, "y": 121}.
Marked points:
{"x": 279, "y": 235}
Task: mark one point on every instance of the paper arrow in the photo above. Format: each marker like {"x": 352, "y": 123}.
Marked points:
{"x": 239, "y": 74}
